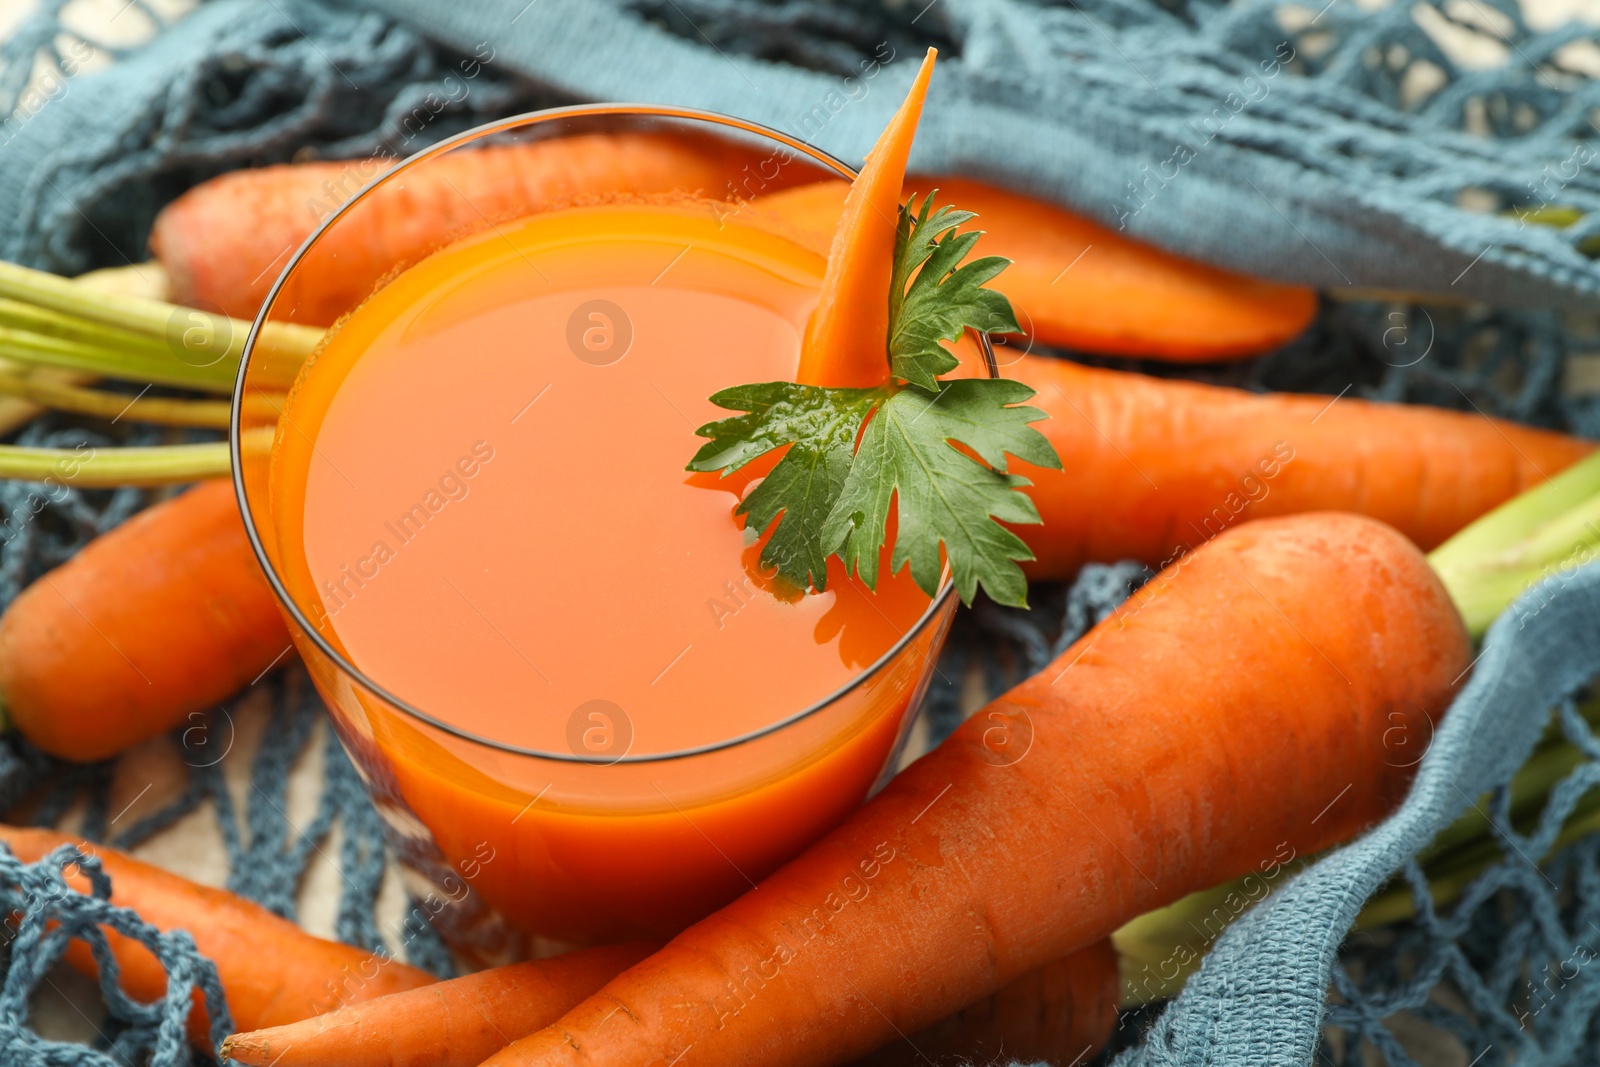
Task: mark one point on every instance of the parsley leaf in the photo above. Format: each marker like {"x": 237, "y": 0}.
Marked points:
{"x": 819, "y": 426}
{"x": 937, "y": 449}
{"x": 943, "y": 495}
{"x": 931, "y": 299}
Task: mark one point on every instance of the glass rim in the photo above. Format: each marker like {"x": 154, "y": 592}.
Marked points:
{"x": 621, "y": 110}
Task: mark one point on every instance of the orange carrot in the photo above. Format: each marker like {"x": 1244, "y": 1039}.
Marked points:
{"x": 1153, "y": 467}
{"x": 448, "y": 1024}
{"x": 846, "y": 342}
{"x": 225, "y": 242}
{"x": 272, "y": 971}
{"x": 1221, "y": 715}
{"x": 162, "y": 617}
{"x": 1079, "y": 285}
{"x": 1074, "y": 282}
{"x": 1059, "y": 1014}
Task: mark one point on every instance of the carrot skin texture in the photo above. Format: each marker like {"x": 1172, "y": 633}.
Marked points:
{"x": 166, "y": 615}
{"x": 847, "y": 337}
{"x": 1108, "y": 293}
{"x": 1061, "y": 1013}
{"x": 225, "y": 242}
{"x": 456, "y": 1023}
{"x": 1153, "y": 467}
{"x": 1223, "y": 716}
{"x": 1079, "y": 285}
{"x": 272, "y": 971}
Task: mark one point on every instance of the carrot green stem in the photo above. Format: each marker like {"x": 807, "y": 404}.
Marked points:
{"x": 1549, "y": 530}
{"x": 1559, "y": 216}
{"x": 38, "y": 320}
{"x": 136, "y": 365}
{"x": 1158, "y": 951}
{"x": 1464, "y": 848}
{"x": 68, "y": 325}
{"x": 1450, "y": 875}
{"x": 115, "y": 406}
{"x": 1529, "y": 789}
{"x": 103, "y": 468}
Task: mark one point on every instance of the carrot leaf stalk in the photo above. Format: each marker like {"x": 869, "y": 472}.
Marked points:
{"x": 52, "y": 321}
{"x": 105, "y": 468}
{"x": 827, "y": 497}
{"x": 99, "y": 403}
{"x": 1548, "y": 530}
{"x": 1558, "y": 216}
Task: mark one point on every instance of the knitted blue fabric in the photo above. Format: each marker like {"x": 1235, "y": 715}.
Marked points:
{"x": 267, "y": 860}
{"x": 1331, "y": 152}
{"x": 1187, "y": 123}
{"x": 49, "y": 913}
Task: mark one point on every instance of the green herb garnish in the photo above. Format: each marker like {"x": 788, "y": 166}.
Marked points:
{"x": 829, "y": 497}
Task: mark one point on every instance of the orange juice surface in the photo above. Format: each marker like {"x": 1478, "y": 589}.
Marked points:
{"x": 479, "y": 497}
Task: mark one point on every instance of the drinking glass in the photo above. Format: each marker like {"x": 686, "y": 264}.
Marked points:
{"x": 513, "y": 850}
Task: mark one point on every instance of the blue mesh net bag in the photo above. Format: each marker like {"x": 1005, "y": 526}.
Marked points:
{"x": 1339, "y": 145}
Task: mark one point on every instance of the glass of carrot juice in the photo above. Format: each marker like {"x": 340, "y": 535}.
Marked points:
{"x": 584, "y": 710}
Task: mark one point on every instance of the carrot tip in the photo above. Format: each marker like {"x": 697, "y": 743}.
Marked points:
{"x": 247, "y": 1049}
{"x": 846, "y": 340}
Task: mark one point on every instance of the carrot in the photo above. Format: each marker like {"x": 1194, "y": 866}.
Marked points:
{"x": 1154, "y": 467}
{"x": 846, "y": 342}
{"x": 448, "y": 1024}
{"x": 159, "y": 618}
{"x": 1079, "y": 285}
{"x": 1076, "y": 284}
{"x": 272, "y": 971}
{"x": 1222, "y": 714}
{"x": 1059, "y": 1014}
{"x": 225, "y": 242}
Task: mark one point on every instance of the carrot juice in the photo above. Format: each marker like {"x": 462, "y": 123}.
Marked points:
{"x": 616, "y": 720}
